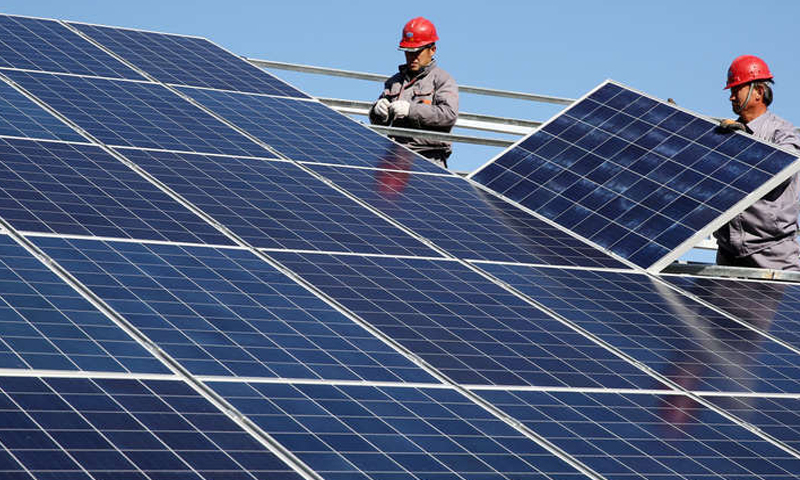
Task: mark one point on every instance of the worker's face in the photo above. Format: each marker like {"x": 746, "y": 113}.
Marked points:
{"x": 416, "y": 61}
{"x": 739, "y": 97}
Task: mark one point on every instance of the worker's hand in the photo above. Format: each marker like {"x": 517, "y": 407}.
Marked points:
{"x": 732, "y": 125}
{"x": 399, "y": 108}
{"x": 381, "y": 109}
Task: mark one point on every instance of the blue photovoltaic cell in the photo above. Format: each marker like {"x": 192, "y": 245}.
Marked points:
{"x": 84, "y": 429}
{"x": 692, "y": 345}
{"x": 464, "y": 220}
{"x": 365, "y": 432}
{"x": 46, "y": 325}
{"x": 646, "y": 437}
{"x": 310, "y": 131}
{"x": 80, "y": 189}
{"x": 779, "y": 417}
{"x": 276, "y": 204}
{"x": 227, "y": 312}
{"x": 462, "y": 324}
{"x": 20, "y": 117}
{"x": 772, "y": 307}
{"x": 37, "y": 44}
{"x": 633, "y": 174}
{"x": 137, "y": 114}
{"x": 187, "y": 60}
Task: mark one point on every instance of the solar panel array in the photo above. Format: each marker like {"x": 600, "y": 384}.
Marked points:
{"x": 206, "y": 274}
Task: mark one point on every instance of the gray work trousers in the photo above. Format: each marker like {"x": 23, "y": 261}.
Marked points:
{"x": 784, "y": 255}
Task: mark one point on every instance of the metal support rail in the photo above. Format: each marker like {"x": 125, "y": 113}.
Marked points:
{"x": 476, "y": 121}
{"x": 533, "y": 97}
{"x": 441, "y": 136}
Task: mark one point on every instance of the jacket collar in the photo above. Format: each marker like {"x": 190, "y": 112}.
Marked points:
{"x": 425, "y": 70}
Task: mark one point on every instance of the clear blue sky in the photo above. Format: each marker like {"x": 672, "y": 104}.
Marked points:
{"x": 678, "y": 49}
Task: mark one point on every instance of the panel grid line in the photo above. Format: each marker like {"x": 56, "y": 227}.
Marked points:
{"x": 676, "y": 387}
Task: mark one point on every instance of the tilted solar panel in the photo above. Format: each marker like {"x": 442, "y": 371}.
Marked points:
{"x": 690, "y": 344}
{"x": 186, "y": 60}
{"x": 772, "y": 307}
{"x": 464, "y": 220}
{"x": 65, "y": 188}
{"x": 309, "y": 131}
{"x": 646, "y": 436}
{"x": 638, "y": 176}
{"x": 226, "y": 312}
{"x": 463, "y": 324}
{"x": 47, "y": 45}
{"x": 46, "y": 325}
{"x": 81, "y": 428}
{"x": 138, "y": 114}
{"x": 21, "y": 117}
{"x": 368, "y": 432}
{"x": 275, "y": 204}
{"x": 777, "y": 416}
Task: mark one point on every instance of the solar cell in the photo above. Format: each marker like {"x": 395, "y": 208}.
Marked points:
{"x": 38, "y": 44}
{"x": 46, "y": 325}
{"x": 365, "y": 432}
{"x": 187, "y": 60}
{"x": 462, "y": 324}
{"x": 778, "y": 417}
{"x": 276, "y": 204}
{"x": 78, "y": 428}
{"x": 21, "y": 117}
{"x": 768, "y": 306}
{"x": 309, "y": 131}
{"x": 636, "y": 175}
{"x": 645, "y": 436}
{"x": 227, "y": 312}
{"x": 464, "y": 220}
{"x": 126, "y": 113}
{"x": 80, "y": 189}
{"x": 692, "y": 345}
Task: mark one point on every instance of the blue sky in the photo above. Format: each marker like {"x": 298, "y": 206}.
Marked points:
{"x": 678, "y": 49}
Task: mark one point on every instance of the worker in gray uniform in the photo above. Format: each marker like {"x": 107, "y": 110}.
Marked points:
{"x": 421, "y": 95}
{"x": 764, "y": 235}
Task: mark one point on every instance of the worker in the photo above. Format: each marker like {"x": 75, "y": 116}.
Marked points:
{"x": 763, "y": 236}
{"x": 421, "y": 95}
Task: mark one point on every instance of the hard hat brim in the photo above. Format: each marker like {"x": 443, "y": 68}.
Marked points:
{"x": 415, "y": 48}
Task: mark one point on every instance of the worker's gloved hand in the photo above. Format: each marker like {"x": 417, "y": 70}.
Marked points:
{"x": 381, "y": 109}
{"x": 399, "y": 108}
{"x": 732, "y": 125}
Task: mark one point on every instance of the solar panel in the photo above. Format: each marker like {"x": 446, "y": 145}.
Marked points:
{"x": 226, "y": 312}
{"x": 46, "y": 325}
{"x": 464, "y": 220}
{"x": 646, "y": 436}
{"x": 276, "y": 204}
{"x": 367, "y": 432}
{"x": 126, "y": 113}
{"x": 692, "y": 345}
{"x": 638, "y": 176}
{"x": 186, "y": 60}
{"x": 777, "y": 416}
{"x": 80, "y": 189}
{"x": 768, "y": 306}
{"x": 463, "y": 324}
{"x": 47, "y": 45}
{"x": 21, "y": 117}
{"x": 309, "y": 131}
{"x": 80, "y": 428}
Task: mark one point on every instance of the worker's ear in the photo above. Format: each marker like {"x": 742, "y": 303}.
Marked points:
{"x": 433, "y": 49}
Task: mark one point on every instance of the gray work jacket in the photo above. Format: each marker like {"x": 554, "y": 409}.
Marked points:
{"x": 773, "y": 218}
{"x": 433, "y": 95}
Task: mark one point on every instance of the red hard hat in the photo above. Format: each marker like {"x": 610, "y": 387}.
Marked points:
{"x": 746, "y": 69}
{"x": 418, "y": 32}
